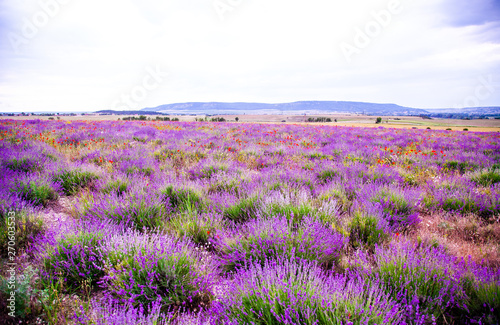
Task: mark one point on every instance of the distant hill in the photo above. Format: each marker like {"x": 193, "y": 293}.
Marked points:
{"x": 310, "y": 107}
{"x": 112, "y": 112}
{"x": 303, "y": 107}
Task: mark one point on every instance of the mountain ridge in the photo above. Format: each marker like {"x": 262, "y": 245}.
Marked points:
{"x": 310, "y": 107}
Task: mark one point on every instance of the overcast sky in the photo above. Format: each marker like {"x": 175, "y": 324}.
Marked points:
{"x": 87, "y": 55}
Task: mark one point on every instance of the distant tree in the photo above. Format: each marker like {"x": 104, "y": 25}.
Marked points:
{"x": 142, "y": 117}
{"x": 379, "y": 120}
{"x": 236, "y": 119}
{"x": 335, "y": 120}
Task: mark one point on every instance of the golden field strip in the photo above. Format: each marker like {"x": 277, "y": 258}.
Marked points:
{"x": 405, "y": 122}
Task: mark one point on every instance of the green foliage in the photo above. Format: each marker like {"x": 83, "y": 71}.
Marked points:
{"x": 147, "y": 171}
{"x": 394, "y": 205}
{"x": 397, "y": 274}
{"x": 379, "y": 120}
{"x": 319, "y": 119}
{"x": 241, "y": 211}
{"x": 199, "y": 229}
{"x": 24, "y": 165}
{"x": 466, "y": 205}
{"x": 483, "y": 299}
{"x": 139, "y": 214}
{"x": 292, "y": 212}
{"x": 26, "y": 229}
{"x": 340, "y": 196}
{"x": 182, "y": 199}
{"x": 326, "y": 175}
{"x": 143, "y": 140}
{"x": 210, "y": 171}
{"x": 73, "y": 180}
{"x": 488, "y": 178}
{"x": 224, "y": 186}
{"x": 172, "y": 275}
{"x": 119, "y": 187}
{"x": 23, "y": 292}
{"x": 76, "y": 258}
{"x": 364, "y": 231}
{"x": 462, "y": 167}
{"x": 37, "y": 194}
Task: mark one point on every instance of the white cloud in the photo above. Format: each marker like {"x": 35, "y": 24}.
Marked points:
{"x": 91, "y": 52}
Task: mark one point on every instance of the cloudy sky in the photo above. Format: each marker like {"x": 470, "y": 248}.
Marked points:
{"x": 87, "y": 55}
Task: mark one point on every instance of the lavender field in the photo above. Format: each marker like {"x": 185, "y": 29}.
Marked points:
{"x": 147, "y": 222}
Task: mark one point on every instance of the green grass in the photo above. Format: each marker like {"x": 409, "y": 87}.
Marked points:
{"x": 182, "y": 199}
{"x": 119, "y": 187}
{"x": 26, "y": 228}
{"x": 483, "y": 299}
{"x": 365, "y": 232}
{"x": 139, "y": 214}
{"x": 22, "y": 165}
{"x": 462, "y": 167}
{"x": 24, "y": 292}
{"x": 199, "y": 229}
{"x": 487, "y": 178}
{"x": 294, "y": 213}
{"x": 72, "y": 181}
{"x": 37, "y": 194}
{"x": 326, "y": 175}
{"x": 77, "y": 259}
{"x": 242, "y": 211}
{"x": 141, "y": 276}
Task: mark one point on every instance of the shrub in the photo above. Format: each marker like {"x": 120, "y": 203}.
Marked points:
{"x": 326, "y": 175}
{"x": 26, "y": 228}
{"x": 23, "y": 302}
{"x": 139, "y": 210}
{"x": 287, "y": 291}
{"x": 206, "y": 172}
{"x": 462, "y": 167}
{"x": 107, "y": 311}
{"x": 76, "y": 259}
{"x": 487, "y": 178}
{"x": 200, "y": 228}
{"x": 35, "y": 192}
{"x": 72, "y": 181}
{"x": 241, "y": 211}
{"x": 293, "y": 212}
{"x": 398, "y": 208}
{"x": 24, "y": 165}
{"x": 182, "y": 199}
{"x": 118, "y": 187}
{"x": 425, "y": 280}
{"x": 366, "y": 230}
{"x": 483, "y": 299}
{"x": 270, "y": 239}
{"x": 154, "y": 269}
